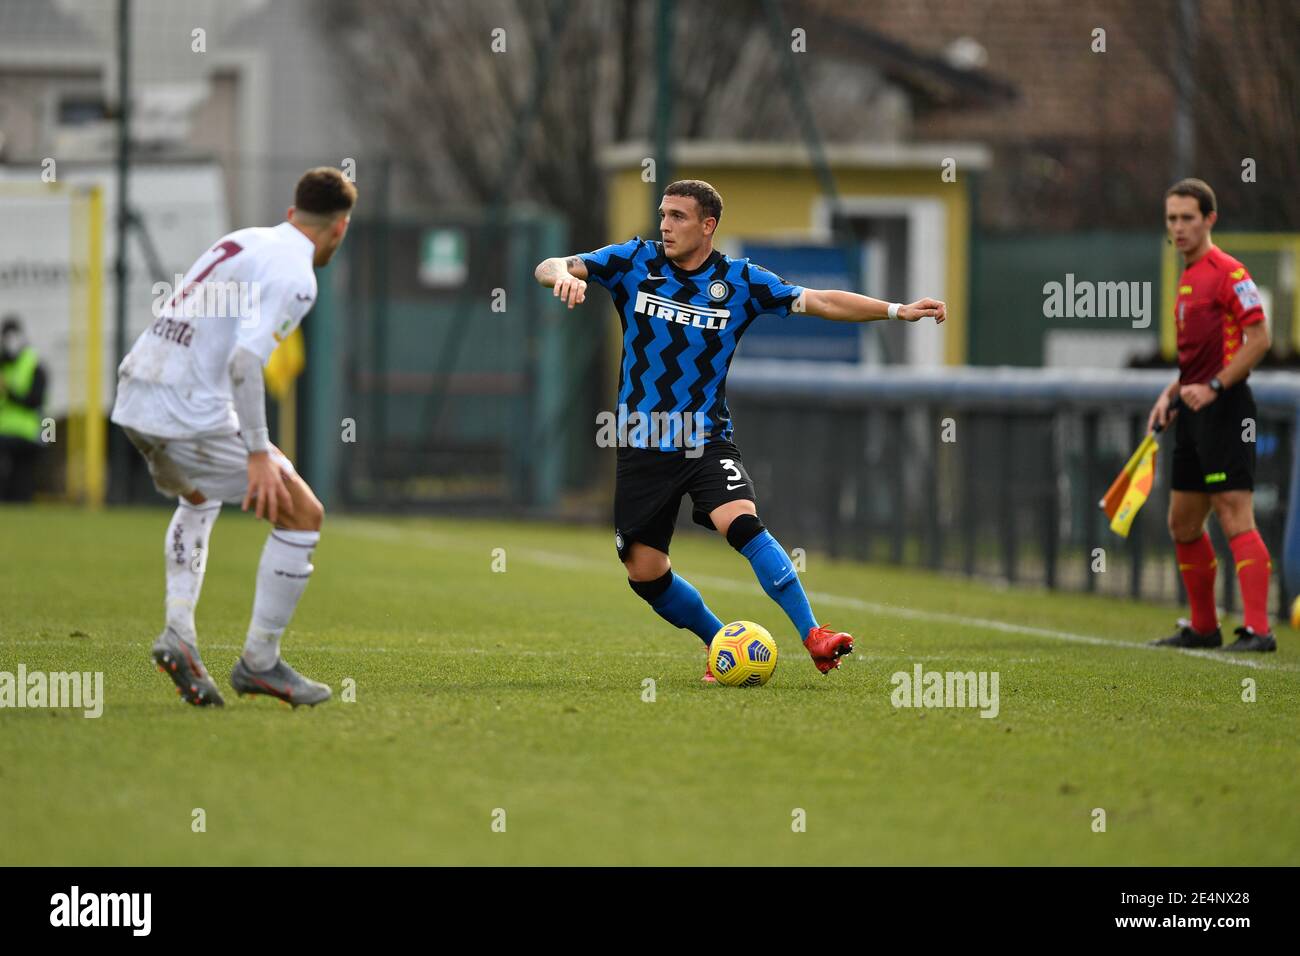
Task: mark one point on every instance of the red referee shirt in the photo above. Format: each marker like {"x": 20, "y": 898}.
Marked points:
{"x": 1217, "y": 299}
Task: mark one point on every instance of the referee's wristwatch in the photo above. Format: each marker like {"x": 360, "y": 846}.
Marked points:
{"x": 1216, "y": 386}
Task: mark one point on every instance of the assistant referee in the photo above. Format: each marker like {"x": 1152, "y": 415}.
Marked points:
{"x": 1222, "y": 335}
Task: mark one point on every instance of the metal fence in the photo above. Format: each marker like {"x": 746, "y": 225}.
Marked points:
{"x": 465, "y": 384}
{"x": 990, "y": 473}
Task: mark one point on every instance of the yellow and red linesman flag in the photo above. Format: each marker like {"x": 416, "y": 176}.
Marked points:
{"x": 1131, "y": 488}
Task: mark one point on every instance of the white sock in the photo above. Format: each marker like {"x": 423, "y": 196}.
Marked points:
{"x": 186, "y": 552}
{"x": 281, "y": 578}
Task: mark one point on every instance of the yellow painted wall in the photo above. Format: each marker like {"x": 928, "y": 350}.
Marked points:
{"x": 770, "y": 203}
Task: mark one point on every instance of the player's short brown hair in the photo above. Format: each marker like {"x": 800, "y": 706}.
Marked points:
{"x": 324, "y": 191}
{"x": 709, "y": 199}
{"x": 1199, "y": 190}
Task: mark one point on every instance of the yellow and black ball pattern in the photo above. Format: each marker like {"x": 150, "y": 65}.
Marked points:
{"x": 742, "y": 654}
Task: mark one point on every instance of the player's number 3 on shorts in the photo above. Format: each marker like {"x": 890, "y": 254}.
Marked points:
{"x": 733, "y": 473}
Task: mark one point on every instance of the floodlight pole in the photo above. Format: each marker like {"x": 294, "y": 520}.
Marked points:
{"x": 1185, "y": 90}
{"x": 118, "y": 473}
{"x": 663, "y": 108}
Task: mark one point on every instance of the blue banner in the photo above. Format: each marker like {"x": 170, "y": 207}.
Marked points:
{"x": 802, "y": 336}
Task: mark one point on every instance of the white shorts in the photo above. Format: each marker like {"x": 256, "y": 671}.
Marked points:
{"x": 216, "y": 466}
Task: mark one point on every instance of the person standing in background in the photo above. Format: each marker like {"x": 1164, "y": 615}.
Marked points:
{"x": 1222, "y": 335}
{"x": 22, "y": 394}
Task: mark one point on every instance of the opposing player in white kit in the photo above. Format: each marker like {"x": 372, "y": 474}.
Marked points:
{"x": 191, "y": 398}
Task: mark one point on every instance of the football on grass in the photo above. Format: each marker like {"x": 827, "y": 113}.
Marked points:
{"x": 742, "y": 654}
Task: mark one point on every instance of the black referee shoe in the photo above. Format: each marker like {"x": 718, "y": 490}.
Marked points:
{"x": 1248, "y": 640}
{"x": 1186, "y": 637}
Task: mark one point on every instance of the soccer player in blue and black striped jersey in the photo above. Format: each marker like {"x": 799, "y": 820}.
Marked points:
{"x": 684, "y": 307}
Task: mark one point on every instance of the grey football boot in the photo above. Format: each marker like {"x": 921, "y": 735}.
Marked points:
{"x": 181, "y": 662}
{"x": 280, "y": 681}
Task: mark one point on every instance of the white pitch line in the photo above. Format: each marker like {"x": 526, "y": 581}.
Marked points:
{"x": 436, "y": 651}
{"x": 989, "y": 624}
{"x": 562, "y": 560}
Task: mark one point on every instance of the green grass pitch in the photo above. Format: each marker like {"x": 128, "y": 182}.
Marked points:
{"x": 522, "y": 690}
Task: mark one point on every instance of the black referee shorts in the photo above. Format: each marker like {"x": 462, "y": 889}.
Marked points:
{"x": 649, "y": 485}
{"x": 1210, "y": 452}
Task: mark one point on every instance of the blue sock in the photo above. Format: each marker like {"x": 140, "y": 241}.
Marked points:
{"x": 777, "y": 576}
{"x": 677, "y": 602}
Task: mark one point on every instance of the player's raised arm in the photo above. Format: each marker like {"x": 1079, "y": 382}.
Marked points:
{"x": 566, "y": 276}
{"x": 839, "y": 306}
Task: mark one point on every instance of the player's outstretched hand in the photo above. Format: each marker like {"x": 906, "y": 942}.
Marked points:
{"x": 570, "y": 290}
{"x": 923, "y": 309}
{"x": 266, "y": 487}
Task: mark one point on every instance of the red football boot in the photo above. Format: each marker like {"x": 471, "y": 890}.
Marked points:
{"x": 708, "y": 677}
{"x": 827, "y": 646}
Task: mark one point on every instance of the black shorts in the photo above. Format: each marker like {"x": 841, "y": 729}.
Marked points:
{"x": 649, "y": 486}
{"x": 1214, "y": 449}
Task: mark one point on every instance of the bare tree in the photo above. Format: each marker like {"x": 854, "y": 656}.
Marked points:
{"x": 1245, "y": 98}
{"x": 427, "y": 72}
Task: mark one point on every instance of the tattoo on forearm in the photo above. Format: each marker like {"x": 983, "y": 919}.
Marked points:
{"x": 556, "y": 269}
